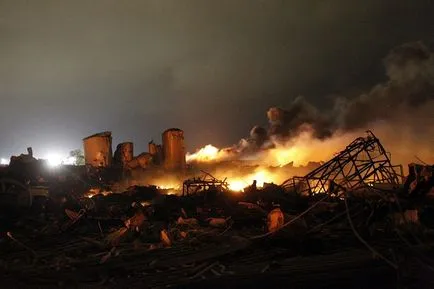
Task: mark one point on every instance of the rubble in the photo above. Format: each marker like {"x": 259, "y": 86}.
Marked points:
{"x": 207, "y": 182}
{"x": 328, "y": 232}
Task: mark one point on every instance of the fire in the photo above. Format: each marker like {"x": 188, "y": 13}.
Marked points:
{"x": 208, "y": 153}
{"x": 271, "y": 162}
{"x": 300, "y": 150}
{"x": 167, "y": 186}
{"x": 261, "y": 176}
{"x": 93, "y": 192}
{"x": 283, "y": 155}
{"x": 237, "y": 185}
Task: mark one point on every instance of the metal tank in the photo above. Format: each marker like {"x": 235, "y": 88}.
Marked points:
{"x": 124, "y": 153}
{"x": 156, "y": 151}
{"x": 98, "y": 149}
{"x": 173, "y": 149}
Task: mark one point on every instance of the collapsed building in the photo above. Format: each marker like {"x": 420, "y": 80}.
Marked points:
{"x": 363, "y": 162}
{"x": 314, "y": 227}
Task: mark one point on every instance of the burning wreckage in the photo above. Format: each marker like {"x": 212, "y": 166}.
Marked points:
{"x": 354, "y": 219}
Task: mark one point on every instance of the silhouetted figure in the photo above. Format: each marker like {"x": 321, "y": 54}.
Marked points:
{"x": 253, "y": 187}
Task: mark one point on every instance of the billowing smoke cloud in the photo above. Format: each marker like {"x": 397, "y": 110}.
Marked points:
{"x": 410, "y": 69}
{"x": 289, "y": 122}
{"x": 410, "y": 86}
{"x": 400, "y": 111}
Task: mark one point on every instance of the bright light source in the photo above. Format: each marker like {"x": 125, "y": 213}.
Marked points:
{"x": 4, "y": 161}
{"x": 54, "y": 160}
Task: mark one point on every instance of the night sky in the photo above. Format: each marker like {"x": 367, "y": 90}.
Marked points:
{"x": 72, "y": 68}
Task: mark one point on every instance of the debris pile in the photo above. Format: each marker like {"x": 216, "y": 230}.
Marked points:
{"x": 352, "y": 221}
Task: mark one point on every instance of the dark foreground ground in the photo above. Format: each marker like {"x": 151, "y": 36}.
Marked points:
{"x": 141, "y": 239}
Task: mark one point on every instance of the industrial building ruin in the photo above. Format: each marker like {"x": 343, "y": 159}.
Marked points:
{"x": 316, "y": 227}
{"x": 98, "y": 149}
{"x": 170, "y": 155}
{"x": 173, "y": 149}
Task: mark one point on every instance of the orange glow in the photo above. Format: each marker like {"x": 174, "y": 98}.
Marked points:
{"x": 208, "y": 153}
{"x": 262, "y": 176}
{"x": 237, "y": 185}
{"x": 282, "y": 155}
{"x": 167, "y": 186}
{"x": 93, "y": 192}
{"x": 166, "y": 182}
{"x": 305, "y": 148}
{"x": 299, "y": 150}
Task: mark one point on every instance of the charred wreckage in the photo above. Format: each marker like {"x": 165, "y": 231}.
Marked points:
{"x": 353, "y": 220}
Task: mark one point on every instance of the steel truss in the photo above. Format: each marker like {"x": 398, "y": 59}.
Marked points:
{"x": 195, "y": 185}
{"x": 363, "y": 162}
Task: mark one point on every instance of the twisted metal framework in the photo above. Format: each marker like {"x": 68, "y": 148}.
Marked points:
{"x": 194, "y": 185}
{"x": 363, "y": 162}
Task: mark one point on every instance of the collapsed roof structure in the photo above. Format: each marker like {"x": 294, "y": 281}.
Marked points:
{"x": 363, "y": 162}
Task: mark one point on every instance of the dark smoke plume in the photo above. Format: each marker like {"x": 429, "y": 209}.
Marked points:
{"x": 410, "y": 85}
{"x": 410, "y": 69}
{"x": 289, "y": 122}
{"x": 400, "y": 111}
{"x": 404, "y": 104}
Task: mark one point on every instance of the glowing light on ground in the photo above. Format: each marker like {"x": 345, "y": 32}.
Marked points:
{"x": 167, "y": 186}
{"x": 237, "y": 185}
{"x": 261, "y": 176}
{"x": 93, "y": 192}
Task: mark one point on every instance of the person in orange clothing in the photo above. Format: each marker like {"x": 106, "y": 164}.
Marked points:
{"x": 275, "y": 219}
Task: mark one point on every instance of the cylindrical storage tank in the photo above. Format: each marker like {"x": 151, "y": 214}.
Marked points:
{"x": 98, "y": 149}
{"x": 124, "y": 153}
{"x": 173, "y": 149}
{"x": 156, "y": 151}
{"x": 152, "y": 148}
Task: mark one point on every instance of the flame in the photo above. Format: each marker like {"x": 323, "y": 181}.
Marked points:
{"x": 93, "y": 192}
{"x": 237, "y": 185}
{"x": 208, "y": 153}
{"x": 167, "y": 186}
{"x": 299, "y": 150}
{"x": 145, "y": 203}
{"x": 261, "y": 176}
{"x": 283, "y": 155}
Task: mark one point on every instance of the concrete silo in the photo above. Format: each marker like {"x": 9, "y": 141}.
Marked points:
{"x": 174, "y": 149}
{"x": 98, "y": 149}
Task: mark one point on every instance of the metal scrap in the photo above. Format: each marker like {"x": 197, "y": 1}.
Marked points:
{"x": 363, "y": 162}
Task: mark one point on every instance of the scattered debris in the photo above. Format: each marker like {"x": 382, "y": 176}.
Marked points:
{"x": 205, "y": 183}
{"x": 352, "y": 218}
